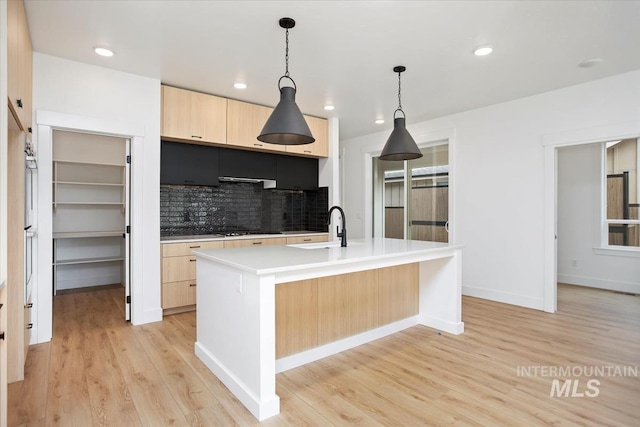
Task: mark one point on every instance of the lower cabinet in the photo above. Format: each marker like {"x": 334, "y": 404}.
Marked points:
{"x": 179, "y": 275}
{"x": 242, "y": 243}
{"x": 307, "y": 239}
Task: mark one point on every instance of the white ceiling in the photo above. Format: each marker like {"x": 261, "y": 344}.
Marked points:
{"x": 343, "y": 52}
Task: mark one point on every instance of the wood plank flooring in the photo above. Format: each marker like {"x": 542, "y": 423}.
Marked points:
{"x": 100, "y": 371}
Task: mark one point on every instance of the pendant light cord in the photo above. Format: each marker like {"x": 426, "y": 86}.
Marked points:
{"x": 286, "y": 54}
{"x": 399, "y": 99}
{"x": 286, "y": 61}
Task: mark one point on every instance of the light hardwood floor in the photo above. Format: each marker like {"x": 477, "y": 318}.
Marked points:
{"x": 99, "y": 370}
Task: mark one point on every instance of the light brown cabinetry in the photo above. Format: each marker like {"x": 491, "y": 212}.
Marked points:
{"x": 19, "y": 64}
{"x": 318, "y": 311}
{"x": 193, "y": 116}
{"x": 179, "y": 274}
{"x": 307, "y": 239}
{"x": 202, "y": 118}
{"x": 241, "y": 243}
{"x": 320, "y": 131}
{"x": 245, "y": 122}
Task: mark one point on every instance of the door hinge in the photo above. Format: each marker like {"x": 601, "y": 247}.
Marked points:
{"x": 128, "y": 299}
{"x": 128, "y": 159}
{"x": 128, "y": 229}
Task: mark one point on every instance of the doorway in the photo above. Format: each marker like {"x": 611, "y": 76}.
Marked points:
{"x": 90, "y": 212}
{"x": 411, "y": 198}
{"x": 622, "y": 261}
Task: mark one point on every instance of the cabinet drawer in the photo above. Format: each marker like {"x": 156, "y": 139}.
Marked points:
{"x": 178, "y": 268}
{"x": 182, "y": 249}
{"x": 178, "y": 294}
{"x": 306, "y": 239}
{"x": 255, "y": 242}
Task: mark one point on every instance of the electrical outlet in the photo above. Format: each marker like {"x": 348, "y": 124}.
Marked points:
{"x": 574, "y": 263}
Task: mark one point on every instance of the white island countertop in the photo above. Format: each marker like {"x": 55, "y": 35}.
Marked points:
{"x": 277, "y": 259}
{"x": 237, "y": 299}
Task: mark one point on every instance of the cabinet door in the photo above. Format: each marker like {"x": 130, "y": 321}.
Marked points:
{"x": 245, "y": 122}
{"x": 297, "y": 173}
{"x": 178, "y": 268}
{"x": 24, "y": 68}
{"x": 241, "y": 243}
{"x": 247, "y": 164}
{"x": 188, "y": 164}
{"x": 193, "y": 116}
{"x": 178, "y": 294}
{"x": 319, "y": 148}
{"x": 307, "y": 239}
{"x": 13, "y": 49}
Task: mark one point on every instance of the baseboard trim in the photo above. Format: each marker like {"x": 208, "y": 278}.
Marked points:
{"x": 505, "y": 297}
{"x": 593, "y": 282}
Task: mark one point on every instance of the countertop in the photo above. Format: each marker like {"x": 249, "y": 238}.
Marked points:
{"x": 275, "y": 259}
{"x": 209, "y": 237}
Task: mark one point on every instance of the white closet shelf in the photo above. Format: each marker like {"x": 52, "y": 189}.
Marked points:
{"x": 71, "y": 162}
{"x": 89, "y": 203}
{"x": 89, "y": 183}
{"x": 85, "y": 234}
{"x": 87, "y": 260}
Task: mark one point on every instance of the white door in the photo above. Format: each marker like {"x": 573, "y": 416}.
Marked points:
{"x": 127, "y": 234}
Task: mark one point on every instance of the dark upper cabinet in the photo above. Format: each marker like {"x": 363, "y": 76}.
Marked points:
{"x": 188, "y": 164}
{"x": 297, "y": 173}
{"x": 247, "y": 164}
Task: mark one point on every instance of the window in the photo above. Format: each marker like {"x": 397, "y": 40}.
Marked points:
{"x": 622, "y": 223}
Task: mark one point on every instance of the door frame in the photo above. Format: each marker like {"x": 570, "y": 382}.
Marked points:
{"x": 426, "y": 139}
{"x": 551, "y": 143}
{"x": 46, "y": 122}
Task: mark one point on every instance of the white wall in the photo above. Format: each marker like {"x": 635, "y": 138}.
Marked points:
{"x": 579, "y": 212}
{"x": 499, "y": 175}
{"x": 73, "y": 88}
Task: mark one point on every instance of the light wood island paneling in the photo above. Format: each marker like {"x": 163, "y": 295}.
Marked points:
{"x": 330, "y": 308}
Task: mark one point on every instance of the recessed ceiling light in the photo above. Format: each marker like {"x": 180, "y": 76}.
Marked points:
{"x": 329, "y": 107}
{"x": 240, "y": 85}
{"x": 483, "y": 50}
{"x": 379, "y": 121}
{"x": 103, "y": 51}
{"x": 588, "y": 63}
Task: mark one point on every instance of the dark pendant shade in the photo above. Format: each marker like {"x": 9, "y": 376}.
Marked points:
{"x": 400, "y": 145}
{"x": 286, "y": 125}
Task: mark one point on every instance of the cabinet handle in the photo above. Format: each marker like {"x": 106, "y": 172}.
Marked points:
{"x": 30, "y": 305}
{"x": 192, "y": 260}
{"x": 19, "y": 102}
{"x": 196, "y": 136}
{"x": 2, "y": 336}
{"x": 307, "y": 151}
{"x": 29, "y": 325}
{"x": 257, "y": 243}
{"x": 192, "y": 284}
{"x": 194, "y": 247}
{"x": 306, "y": 240}
{"x": 258, "y": 145}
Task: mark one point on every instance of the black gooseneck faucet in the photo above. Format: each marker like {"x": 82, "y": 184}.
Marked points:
{"x": 343, "y": 235}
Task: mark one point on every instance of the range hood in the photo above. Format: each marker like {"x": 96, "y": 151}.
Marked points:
{"x": 266, "y": 183}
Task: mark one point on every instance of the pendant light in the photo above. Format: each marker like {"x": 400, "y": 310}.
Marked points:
{"x": 400, "y": 145}
{"x": 286, "y": 125}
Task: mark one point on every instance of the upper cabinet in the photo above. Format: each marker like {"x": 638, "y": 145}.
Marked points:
{"x": 319, "y": 148}
{"x": 193, "y": 116}
{"x": 245, "y": 122}
{"x": 196, "y": 117}
{"x": 19, "y": 64}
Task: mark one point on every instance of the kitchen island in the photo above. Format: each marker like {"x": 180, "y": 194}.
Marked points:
{"x": 263, "y": 310}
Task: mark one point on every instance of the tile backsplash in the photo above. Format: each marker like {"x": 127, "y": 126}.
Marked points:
{"x": 239, "y": 206}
